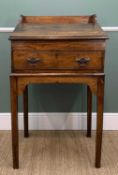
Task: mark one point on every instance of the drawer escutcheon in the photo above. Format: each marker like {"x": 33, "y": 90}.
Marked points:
{"x": 83, "y": 61}
{"x": 34, "y": 60}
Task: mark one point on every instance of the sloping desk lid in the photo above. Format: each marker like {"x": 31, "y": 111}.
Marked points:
{"x": 57, "y": 27}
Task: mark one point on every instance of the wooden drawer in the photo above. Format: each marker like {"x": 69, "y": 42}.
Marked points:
{"x": 80, "y": 61}
{"x": 32, "y": 60}
{"x": 29, "y": 60}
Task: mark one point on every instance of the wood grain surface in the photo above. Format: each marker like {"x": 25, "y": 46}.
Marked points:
{"x": 69, "y": 50}
{"x": 59, "y": 153}
{"x": 35, "y": 61}
{"x": 56, "y": 27}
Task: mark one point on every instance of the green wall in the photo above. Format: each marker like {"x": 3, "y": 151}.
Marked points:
{"x": 59, "y": 98}
{"x": 106, "y": 11}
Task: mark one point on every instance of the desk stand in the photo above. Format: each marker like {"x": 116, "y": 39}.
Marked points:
{"x": 19, "y": 85}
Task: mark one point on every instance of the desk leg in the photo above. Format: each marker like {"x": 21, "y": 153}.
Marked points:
{"x": 89, "y": 111}
{"x": 14, "y": 123}
{"x": 25, "y": 108}
{"x": 100, "y": 104}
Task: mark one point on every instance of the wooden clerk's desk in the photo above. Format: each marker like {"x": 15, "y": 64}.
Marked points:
{"x": 57, "y": 50}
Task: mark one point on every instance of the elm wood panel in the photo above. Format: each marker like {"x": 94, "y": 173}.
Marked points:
{"x": 75, "y": 45}
{"x": 58, "y": 19}
{"x": 31, "y": 60}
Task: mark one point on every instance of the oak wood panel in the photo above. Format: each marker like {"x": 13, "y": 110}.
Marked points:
{"x": 99, "y": 130}
{"x": 25, "y": 79}
{"x": 69, "y": 60}
{"x": 14, "y": 121}
{"x": 47, "y": 60}
{"x": 56, "y": 31}
{"x": 25, "y": 110}
{"x": 58, "y": 28}
{"x": 75, "y": 45}
{"x": 60, "y": 43}
{"x": 56, "y": 60}
{"x": 89, "y": 111}
{"x": 58, "y": 19}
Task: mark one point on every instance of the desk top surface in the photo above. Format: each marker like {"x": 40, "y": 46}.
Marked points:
{"x": 57, "y": 27}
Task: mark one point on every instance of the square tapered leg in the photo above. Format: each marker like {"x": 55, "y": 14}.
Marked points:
{"x": 14, "y": 122}
{"x": 100, "y": 105}
{"x": 89, "y": 111}
{"x": 25, "y": 108}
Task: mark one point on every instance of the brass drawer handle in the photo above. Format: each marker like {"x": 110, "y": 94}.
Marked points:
{"x": 33, "y": 60}
{"x": 82, "y": 61}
